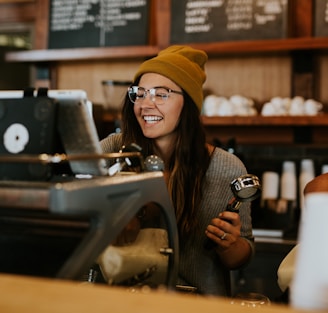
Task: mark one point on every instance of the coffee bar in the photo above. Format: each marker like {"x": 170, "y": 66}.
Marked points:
{"x": 265, "y": 100}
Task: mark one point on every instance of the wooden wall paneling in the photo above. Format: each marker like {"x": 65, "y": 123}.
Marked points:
{"x": 303, "y": 78}
{"x": 303, "y": 73}
{"x": 268, "y": 134}
{"x": 320, "y": 135}
{"x": 41, "y": 43}
{"x": 17, "y": 12}
{"x": 89, "y": 75}
{"x": 15, "y": 1}
{"x": 163, "y": 21}
{"x": 245, "y": 135}
{"x": 301, "y": 18}
{"x": 41, "y": 24}
{"x": 257, "y": 77}
{"x": 152, "y": 27}
{"x": 321, "y": 79}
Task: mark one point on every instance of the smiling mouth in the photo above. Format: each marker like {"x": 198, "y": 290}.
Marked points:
{"x": 152, "y": 119}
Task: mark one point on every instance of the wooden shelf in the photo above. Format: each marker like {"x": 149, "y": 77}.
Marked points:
{"x": 82, "y": 54}
{"x": 319, "y": 120}
{"x": 258, "y": 120}
{"x": 268, "y": 130}
{"x": 259, "y": 130}
{"x": 272, "y": 45}
{"x": 215, "y": 48}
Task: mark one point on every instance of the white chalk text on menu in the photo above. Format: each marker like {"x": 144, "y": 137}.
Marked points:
{"x": 97, "y": 23}
{"x": 321, "y": 18}
{"x": 219, "y": 20}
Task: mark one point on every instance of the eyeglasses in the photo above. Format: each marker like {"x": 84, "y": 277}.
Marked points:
{"x": 158, "y": 95}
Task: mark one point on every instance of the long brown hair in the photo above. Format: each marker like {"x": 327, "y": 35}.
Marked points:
{"x": 187, "y": 165}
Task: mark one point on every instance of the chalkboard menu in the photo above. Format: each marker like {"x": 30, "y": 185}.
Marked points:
{"x": 321, "y": 18}
{"x": 228, "y": 20}
{"x": 97, "y": 23}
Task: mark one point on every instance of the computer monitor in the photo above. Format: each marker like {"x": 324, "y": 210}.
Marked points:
{"x": 58, "y": 121}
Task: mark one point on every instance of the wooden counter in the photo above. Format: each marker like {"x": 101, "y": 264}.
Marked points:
{"x": 25, "y": 294}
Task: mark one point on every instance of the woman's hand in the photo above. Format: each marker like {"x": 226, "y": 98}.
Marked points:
{"x": 224, "y": 230}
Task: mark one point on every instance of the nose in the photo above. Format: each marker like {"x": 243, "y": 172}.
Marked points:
{"x": 148, "y": 100}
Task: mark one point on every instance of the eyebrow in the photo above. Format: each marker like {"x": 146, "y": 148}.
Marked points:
{"x": 165, "y": 87}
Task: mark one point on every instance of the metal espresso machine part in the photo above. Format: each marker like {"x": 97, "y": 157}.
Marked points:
{"x": 99, "y": 207}
{"x": 245, "y": 188}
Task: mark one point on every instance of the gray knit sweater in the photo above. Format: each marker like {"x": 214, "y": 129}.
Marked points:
{"x": 199, "y": 267}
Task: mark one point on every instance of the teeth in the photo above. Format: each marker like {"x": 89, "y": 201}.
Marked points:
{"x": 152, "y": 118}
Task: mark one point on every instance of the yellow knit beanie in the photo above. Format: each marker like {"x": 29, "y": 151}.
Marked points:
{"x": 183, "y": 65}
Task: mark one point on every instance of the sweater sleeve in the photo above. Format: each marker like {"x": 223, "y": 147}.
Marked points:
{"x": 200, "y": 267}
{"x": 111, "y": 144}
{"x": 224, "y": 168}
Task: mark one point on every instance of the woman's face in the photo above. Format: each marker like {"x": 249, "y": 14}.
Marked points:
{"x": 158, "y": 119}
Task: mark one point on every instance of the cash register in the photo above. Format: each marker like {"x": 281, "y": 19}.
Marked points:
{"x": 60, "y": 211}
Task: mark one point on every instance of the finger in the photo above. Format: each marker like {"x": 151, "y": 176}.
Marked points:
{"x": 218, "y": 226}
{"x": 224, "y": 235}
{"x": 214, "y": 230}
{"x": 230, "y": 217}
{"x": 218, "y": 236}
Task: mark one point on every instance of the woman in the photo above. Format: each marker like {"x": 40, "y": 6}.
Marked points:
{"x": 161, "y": 113}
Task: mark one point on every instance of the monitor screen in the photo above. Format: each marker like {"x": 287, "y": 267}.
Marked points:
{"x": 57, "y": 122}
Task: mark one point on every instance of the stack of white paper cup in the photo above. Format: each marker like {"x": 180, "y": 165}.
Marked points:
{"x": 270, "y": 190}
{"x": 270, "y": 185}
{"x": 306, "y": 174}
{"x": 288, "y": 185}
{"x": 309, "y": 288}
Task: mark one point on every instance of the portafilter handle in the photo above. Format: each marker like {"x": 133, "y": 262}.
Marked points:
{"x": 245, "y": 188}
